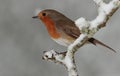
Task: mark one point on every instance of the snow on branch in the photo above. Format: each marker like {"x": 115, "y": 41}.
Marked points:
{"x": 62, "y": 58}
{"x": 88, "y": 29}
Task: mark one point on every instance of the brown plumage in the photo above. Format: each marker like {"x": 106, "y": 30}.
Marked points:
{"x": 62, "y": 29}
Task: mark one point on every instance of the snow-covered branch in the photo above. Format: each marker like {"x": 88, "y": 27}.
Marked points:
{"x": 88, "y": 29}
{"x": 65, "y": 58}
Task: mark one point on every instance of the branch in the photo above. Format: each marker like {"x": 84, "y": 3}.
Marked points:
{"x": 65, "y": 58}
{"x": 88, "y": 29}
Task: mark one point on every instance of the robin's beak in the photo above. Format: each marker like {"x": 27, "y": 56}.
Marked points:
{"x": 35, "y": 17}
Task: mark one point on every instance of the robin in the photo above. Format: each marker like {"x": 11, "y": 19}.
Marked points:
{"x": 62, "y": 29}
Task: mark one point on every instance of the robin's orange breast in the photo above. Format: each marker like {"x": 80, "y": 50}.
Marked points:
{"x": 50, "y": 27}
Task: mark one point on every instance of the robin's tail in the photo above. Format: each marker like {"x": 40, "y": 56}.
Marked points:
{"x": 95, "y": 42}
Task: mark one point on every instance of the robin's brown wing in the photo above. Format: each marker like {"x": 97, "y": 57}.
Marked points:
{"x": 68, "y": 27}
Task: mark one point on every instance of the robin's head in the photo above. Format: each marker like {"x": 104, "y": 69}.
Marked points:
{"x": 49, "y": 14}
{"x": 50, "y": 17}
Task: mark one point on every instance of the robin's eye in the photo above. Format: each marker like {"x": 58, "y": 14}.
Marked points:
{"x": 44, "y": 14}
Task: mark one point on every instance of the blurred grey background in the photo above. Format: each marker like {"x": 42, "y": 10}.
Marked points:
{"x": 23, "y": 40}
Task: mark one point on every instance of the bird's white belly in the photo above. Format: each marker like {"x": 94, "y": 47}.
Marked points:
{"x": 63, "y": 42}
